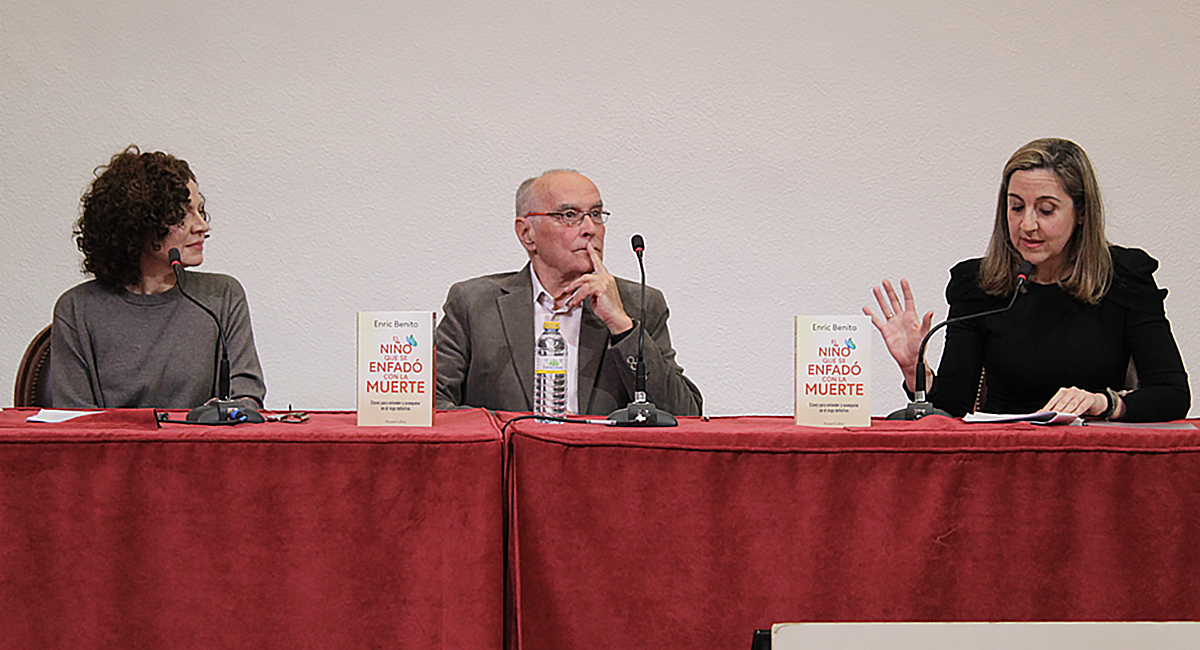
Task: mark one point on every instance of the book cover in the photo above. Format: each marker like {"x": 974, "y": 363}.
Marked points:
{"x": 833, "y": 360}
{"x": 396, "y": 375}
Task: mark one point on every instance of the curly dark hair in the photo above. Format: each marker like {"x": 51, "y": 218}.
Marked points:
{"x": 135, "y": 199}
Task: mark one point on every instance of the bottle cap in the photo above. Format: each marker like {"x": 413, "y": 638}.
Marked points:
{"x": 550, "y": 325}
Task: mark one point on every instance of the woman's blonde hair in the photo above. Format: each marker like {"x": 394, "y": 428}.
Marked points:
{"x": 1087, "y": 253}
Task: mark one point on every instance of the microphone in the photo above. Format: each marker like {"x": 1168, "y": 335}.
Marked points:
{"x": 919, "y": 408}
{"x": 639, "y": 246}
{"x": 223, "y": 410}
{"x": 640, "y": 412}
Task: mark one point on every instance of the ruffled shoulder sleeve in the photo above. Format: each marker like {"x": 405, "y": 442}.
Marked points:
{"x": 963, "y": 291}
{"x": 1133, "y": 285}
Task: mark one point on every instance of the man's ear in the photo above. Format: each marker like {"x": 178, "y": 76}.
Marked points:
{"x": 524, "y": 231}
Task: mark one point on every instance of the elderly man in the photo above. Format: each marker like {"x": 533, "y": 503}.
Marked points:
{"x": 485, "y": 347}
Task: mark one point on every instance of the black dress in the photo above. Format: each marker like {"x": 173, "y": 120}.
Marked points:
{"x": 1049, "y": 340}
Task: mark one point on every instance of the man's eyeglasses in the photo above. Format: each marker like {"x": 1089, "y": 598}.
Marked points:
{"x": 574, "y": 217}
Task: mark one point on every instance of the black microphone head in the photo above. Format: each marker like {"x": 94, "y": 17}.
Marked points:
{"x": 173, "y": 255}
{"x": 1023, "y": 269}
{"x": 639, "y": 244}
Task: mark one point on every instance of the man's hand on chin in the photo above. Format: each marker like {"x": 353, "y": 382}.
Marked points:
{"x": 601, "y": 287}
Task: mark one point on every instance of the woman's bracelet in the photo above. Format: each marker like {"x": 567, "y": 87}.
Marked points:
{"x": 1113, "y": 400}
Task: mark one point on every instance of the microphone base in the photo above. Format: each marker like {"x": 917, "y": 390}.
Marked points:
{"x": 916, "y": 411}
{"x": 642, "y": 414}
{"x": 224, "y": 412}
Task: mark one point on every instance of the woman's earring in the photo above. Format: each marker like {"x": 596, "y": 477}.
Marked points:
{"x": 156, "y": 246}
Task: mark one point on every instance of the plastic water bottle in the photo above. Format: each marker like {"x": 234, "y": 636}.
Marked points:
{"x": 550, "y": 373}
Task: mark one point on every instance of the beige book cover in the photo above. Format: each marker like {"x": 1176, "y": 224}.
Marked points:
{"x": 396, "y": 375}
{"x": 833, "y": 371}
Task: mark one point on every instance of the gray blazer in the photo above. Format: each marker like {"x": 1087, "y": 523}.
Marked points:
{"x": 485, "y": 346}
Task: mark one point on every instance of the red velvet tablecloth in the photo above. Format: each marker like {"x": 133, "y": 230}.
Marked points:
{"x": 117, "y": 533}
{"x": 695, "y": 536}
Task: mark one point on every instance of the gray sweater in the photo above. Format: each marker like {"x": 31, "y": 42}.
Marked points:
{"x": 116, "y": 349}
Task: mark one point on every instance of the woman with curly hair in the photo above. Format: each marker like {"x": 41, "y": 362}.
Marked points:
{"x": 1088, "y": 309}
{"x": 130, "y": 338}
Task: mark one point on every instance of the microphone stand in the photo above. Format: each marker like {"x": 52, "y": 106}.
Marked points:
{"x": 222, "y": 410}
{"x": 920, "y": 407}
{"x": 640, "y": 412}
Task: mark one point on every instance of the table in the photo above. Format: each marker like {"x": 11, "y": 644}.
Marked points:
{"x": 117, "y": 533}
{"x": 693, "y": 537}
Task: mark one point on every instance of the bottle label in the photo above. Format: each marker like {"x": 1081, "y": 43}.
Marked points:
{"x": 551, "y": 365}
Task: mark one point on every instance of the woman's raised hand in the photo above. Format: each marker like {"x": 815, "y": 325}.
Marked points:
{"x": 901, "y": 326}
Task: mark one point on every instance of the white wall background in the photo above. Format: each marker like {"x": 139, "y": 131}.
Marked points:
{"x": 780, "y": 156}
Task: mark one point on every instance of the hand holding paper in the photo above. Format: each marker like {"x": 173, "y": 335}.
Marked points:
{"x": 1079, "y": 402}
{"x": 1041, "y": 417}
